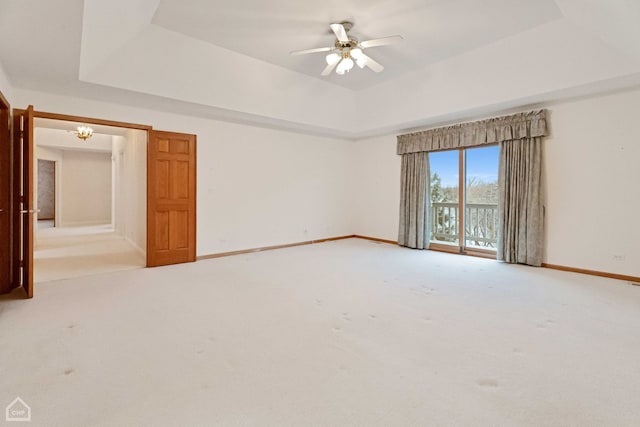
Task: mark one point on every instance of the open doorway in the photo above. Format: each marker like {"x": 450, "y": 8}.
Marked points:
{"x": 168, "y": 187}
{"x": 46, "y": 193}
{"x": 91, "y": 200}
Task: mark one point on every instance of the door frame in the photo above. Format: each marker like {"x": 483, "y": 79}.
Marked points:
{"x": 23, "y": 198}
{"x": 462, "y": 248}
{"x": 15, "y": 230}
{"x": 89, "y": 120}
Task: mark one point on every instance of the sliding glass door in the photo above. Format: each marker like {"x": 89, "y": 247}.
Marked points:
{"x": 481, "y": 197}
{"x": 445, "y": 197}
{"x": 464, "y": 200}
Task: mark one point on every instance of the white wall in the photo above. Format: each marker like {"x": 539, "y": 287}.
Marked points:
{"x": 85, "y": 188}
{"x": 272, "y": 187}
{"x": 256, "y": 187}
{"x": 260, "y": 187}
{"x": 48, "y": 153}
{"x": 130, "y": 189}
{"x": 119, "y": 187}
{"x": 376, "y": 187}
{"x": 592, "y": 183}
{"x": 5, "y": 86}
{"x": 83, "y": 184}
{"x": 58, "y": 145}
{"x": 591, "y": 177}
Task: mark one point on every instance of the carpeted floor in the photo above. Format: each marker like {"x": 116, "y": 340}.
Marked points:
{"x": 66, "y": 252}
{"x": 345, "y": 333}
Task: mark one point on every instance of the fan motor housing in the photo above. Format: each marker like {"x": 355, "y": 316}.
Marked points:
{"x": 351, "y": 44}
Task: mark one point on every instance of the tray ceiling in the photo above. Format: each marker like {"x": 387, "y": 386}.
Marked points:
{"x": 229, "y": 60}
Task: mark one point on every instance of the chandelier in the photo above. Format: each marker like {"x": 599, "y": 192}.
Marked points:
{"x": 84, "y": 132}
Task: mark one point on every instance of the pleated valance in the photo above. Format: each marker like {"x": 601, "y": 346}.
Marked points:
{"x": 490, "y": 131}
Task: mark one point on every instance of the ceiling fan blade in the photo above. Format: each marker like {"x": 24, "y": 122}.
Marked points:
{"x": 371, "y": 63}
{"x": 315, "y": 50}
{"x": 381, "y": 42}
{"x": 340, "y": 32}
{"x": 329, "y": 68}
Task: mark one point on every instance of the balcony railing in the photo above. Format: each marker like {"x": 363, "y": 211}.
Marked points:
{"x": 481, "y": 224}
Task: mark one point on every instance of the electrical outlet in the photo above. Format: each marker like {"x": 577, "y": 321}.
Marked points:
{"x": 619, "y": 257}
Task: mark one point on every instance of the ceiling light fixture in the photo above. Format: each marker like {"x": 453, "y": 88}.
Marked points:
{"x": 359, "y": 56}
{"x": 345, "y": 64}
{"x": 84, "y": 132}
{"x": 333, "y": 58}
{"x": 347, "y": 49}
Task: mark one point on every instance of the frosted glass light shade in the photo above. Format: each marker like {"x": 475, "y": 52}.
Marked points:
{"x": 356, "y": 53}
{"x": 332, "y": 58}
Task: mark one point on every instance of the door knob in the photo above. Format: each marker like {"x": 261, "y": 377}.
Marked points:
{"x": 30, "y": 211}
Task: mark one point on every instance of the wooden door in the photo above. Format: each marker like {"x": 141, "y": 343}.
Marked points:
{"x": 6, "y": 284}
{"x": 171, "y": 198}
{"x": 23, "y": 199}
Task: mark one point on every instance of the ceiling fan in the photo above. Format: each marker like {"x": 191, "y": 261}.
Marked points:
{"x": 347, "y": 50}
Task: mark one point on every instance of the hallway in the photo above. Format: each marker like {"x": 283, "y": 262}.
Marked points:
{"x": 63, "y": 253}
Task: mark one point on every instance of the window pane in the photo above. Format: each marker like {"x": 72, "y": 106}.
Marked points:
{"x": 481, "y": 219}
{"x": 444, "y": 197}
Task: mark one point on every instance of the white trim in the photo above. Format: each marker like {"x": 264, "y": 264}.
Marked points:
{"x": 136, "y": 247}
{"x": 105, "y": 221}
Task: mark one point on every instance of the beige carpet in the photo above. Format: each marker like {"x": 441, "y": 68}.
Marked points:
{"x": 346, "y": 333}
{"x": 66, "y": 252}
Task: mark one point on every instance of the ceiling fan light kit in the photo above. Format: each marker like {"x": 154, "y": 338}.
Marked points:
{"x": 348, "y": 51}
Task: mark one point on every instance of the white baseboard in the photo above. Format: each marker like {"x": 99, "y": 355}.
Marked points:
{"x": 136, "y": 247}
{"x": 83, "y": 223}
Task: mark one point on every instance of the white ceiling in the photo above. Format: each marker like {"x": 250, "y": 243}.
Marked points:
{"x": 58, "y": 134}
{"x": 70, "y": 126}
{"x": 230, "y": 60}
{"x": 433, "y": 30}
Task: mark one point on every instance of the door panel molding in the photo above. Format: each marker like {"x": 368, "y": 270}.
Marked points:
{"x": 23, "y": 208}
{"x": 171, "y": 198}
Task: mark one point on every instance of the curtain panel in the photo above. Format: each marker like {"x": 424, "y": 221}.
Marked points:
{"x": 414, "y": 201}
{"x": 491, "y": 131}
{"x": 520, "y": 232}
